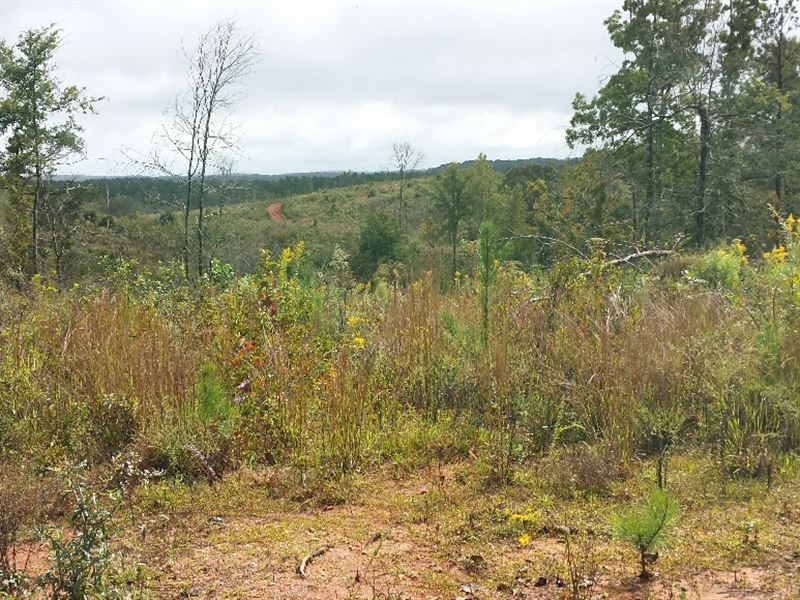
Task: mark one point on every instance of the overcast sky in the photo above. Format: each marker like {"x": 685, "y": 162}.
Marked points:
{"x": 338, "y": 82}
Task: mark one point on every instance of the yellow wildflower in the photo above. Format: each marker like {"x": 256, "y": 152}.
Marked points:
{"x": 355, "y": 321}
{"x": 524, "y": 539}
{"x": 776, "y": 255}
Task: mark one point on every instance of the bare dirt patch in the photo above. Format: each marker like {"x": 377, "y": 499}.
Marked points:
{"x": 433, "y": 534}
{"x": 275, "y": 211}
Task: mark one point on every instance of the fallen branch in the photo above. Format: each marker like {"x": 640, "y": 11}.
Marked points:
{"x": 545, "y": 240}
{"x": 638, "y": 255}
{"x": 301, "y": 568}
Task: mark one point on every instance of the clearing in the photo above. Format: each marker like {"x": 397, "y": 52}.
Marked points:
{"x": 441, "y": 533}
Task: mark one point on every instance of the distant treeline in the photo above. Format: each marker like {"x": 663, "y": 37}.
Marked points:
{"x": 125, "y": 195}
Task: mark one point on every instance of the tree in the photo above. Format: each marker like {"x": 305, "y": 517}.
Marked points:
{"x": 378, "y": 243}
{"x": 676, "y": 115}
{"x": 196, "y": 127}
{"x": 227, "y": 184}
{"x": 490, "y": 255}
{"x": 483, "y": 183}
{"x": 776, "y": 61}
{"x": 645, "y": 526}
{"x": 223, "y": 56}
{"x": 405, "y": 159}
{"x": 37, "y": 116}
{"x": 62, "y": 216}
{"x": 451, "y": 205}
{"x": 638, "y": 105}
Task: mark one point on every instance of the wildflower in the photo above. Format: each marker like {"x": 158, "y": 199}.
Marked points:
{"x": 776, "y": 255}
{"x": 524, "y": 539}
{"x": 358, "y": 341}
{"x": 738, "y": 250}
{"x": 244, "y": 386}
{"x": 355, "y": 321}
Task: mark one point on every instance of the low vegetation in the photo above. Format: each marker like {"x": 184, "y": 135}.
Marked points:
{"x": 585, "y": 372}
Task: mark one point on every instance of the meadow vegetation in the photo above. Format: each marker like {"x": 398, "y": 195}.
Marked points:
{"x": 586, "y": 371}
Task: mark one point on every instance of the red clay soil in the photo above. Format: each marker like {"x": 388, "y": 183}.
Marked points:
{"x": 274, "y": 211}
{"x": 377, "y": 547}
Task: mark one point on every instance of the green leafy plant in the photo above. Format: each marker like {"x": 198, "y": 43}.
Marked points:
{"x": 83, "y": 563}
{"x": 645, "y": 526}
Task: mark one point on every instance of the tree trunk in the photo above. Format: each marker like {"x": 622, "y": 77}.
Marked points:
{"x": 401, "y": 206}
{"x": 190, "y": 170}
{"x": 35, "y": 221}
{"x": 200, "y": 233}
{"x": 57, "y": 253}
{"x": 185, "y": 248}
{"x": 454, "y": 240}
{"x": 702, "y": 174}
{"x": 202, "y": 190}
{"x": 650, "y": 189}
{"x": 779, "y": 81}
{"x": 37, "y": 193}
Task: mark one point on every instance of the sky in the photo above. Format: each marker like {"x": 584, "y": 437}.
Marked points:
{"x": 337, "y": 83}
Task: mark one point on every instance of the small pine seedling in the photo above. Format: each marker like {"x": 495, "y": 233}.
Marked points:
{"x": 645, "y": 526}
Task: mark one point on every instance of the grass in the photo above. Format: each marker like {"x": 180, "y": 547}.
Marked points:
{"x": 244, "y": 417}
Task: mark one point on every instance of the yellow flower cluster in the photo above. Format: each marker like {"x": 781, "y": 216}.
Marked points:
{"x": 527, "y": 518}
{"x": 776, "y": 255}
{"x": 738, "y": 249}
{"x": 355, "y": 321}
{"x": 525, "y": 521}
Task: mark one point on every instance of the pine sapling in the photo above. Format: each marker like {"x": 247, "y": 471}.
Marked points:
{"x": 646, "y": 525}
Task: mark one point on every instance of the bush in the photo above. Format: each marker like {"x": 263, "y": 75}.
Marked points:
{"x": 723, "y": 268}
{"x": 82, "y": 562}
{"x": 112, "y": 426}
{"x": 378, "y": 243}
{"x": 583, "y": 469}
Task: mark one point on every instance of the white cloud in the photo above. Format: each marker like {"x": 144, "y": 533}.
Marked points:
{"x": 338, "y": 82}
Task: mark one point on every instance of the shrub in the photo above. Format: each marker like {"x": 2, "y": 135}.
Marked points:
{"x": 583, "y": 469}
{"x": 723, "y": 268}
{"x": 112, "y": 426}
{"x": 82, "y": 562}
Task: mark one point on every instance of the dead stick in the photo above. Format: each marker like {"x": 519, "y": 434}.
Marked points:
{"x": 301, "y": 568}
{"x": 635, "y": 255}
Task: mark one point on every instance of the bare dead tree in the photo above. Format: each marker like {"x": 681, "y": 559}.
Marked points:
{"x": 223, "y": 57}
{"x": 227, "y": 184}
{"x": 61, "y": 212}
{"x": 405, "y": 158}
{"x": 197, "y": 126}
